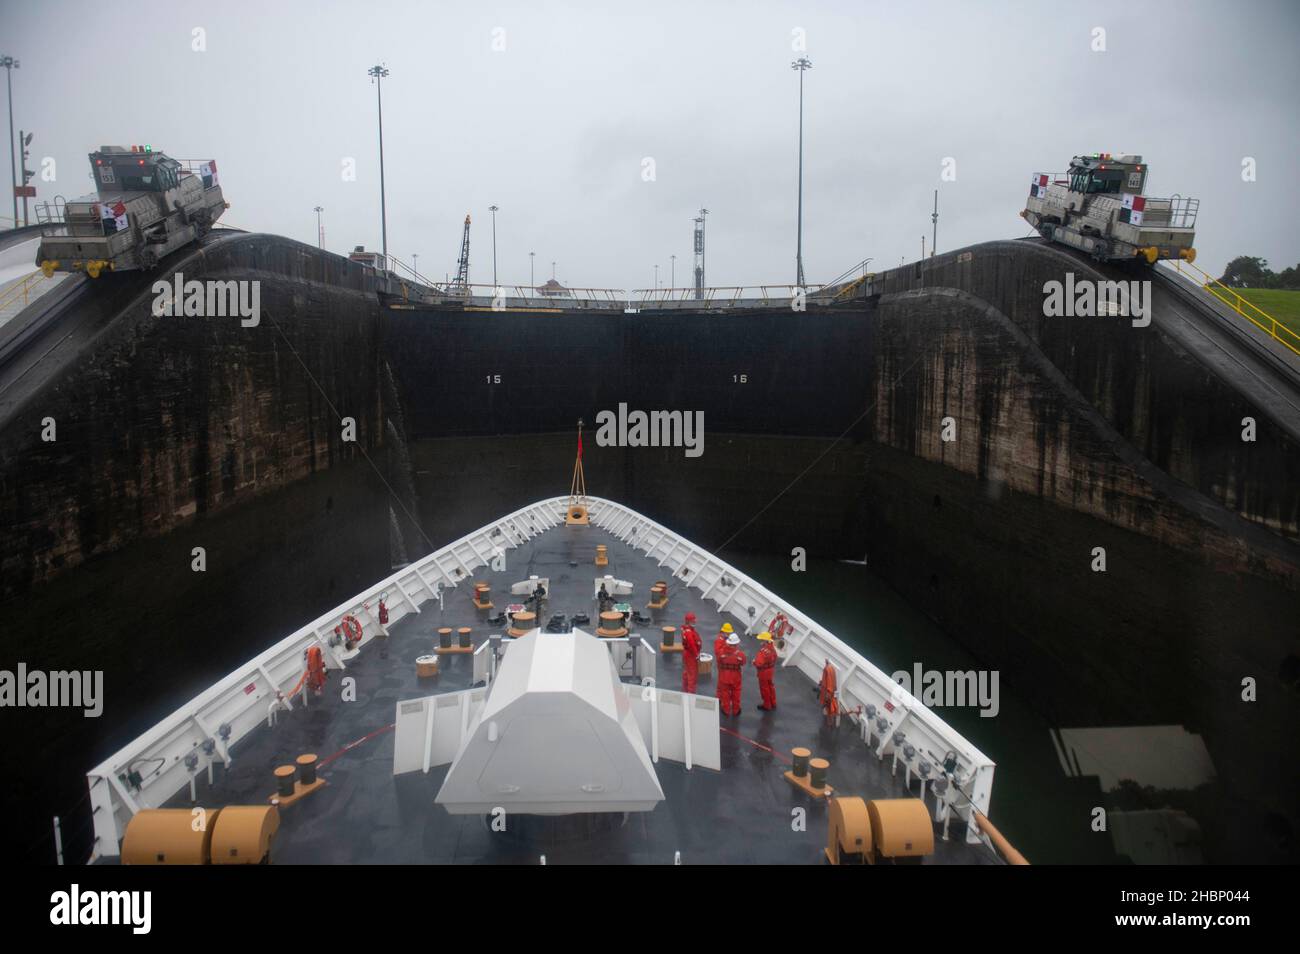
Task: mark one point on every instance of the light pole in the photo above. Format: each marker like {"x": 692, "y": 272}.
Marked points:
{"x": 672, "y": 273}
{"x": 10, "y": 64}
{"x": 25, "y": 140}
{"x": 801, "y": 64}
{"x": 320, "y": 230}
{"x": 493, "y": 210}
{"x": 699, "y": 254}
{"x": 934, "y": 220}
{"x": 377, "y": 74}
{"x": 532, "y": 280}
{"x": 656, "y": 278}
{"x": 415, "y": 264}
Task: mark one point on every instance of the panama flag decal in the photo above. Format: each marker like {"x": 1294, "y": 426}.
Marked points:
{"x": 1135, "y": 204}
{"x": 115, "y": 213}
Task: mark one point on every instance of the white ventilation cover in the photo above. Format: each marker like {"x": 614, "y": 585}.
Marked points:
{"x": 566, "y": 740}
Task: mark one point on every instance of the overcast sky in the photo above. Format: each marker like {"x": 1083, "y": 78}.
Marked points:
{"x": 556, "y": 127}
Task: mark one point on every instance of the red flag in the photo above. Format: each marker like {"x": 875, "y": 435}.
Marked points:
{"x": 579, "y": 444}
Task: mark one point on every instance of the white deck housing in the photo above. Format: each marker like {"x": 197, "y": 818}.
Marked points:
{"x": 556, "y": 736}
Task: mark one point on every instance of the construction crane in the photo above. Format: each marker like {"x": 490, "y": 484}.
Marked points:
{"x": 461, "y": 284}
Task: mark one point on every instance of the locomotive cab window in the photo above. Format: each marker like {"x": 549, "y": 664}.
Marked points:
{"x": 156, "y": 178}
{"x": 139, "y": 179}
{"x": 1096, "y": 181}
{"x": 1106, "y": 182}
{"x": 167, "y": 176}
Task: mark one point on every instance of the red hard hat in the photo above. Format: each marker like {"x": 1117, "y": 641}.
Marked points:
{"x": 690, "y": 617}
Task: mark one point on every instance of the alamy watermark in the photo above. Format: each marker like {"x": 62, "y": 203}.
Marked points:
{"x": 208, "y": 299}
{"x": 626, "y": 428}
{"x": 88, "y": 907}
{"x": 952, "y": 687}
{"x": 36, "y": 689}
{"x": 1085, "y": 298}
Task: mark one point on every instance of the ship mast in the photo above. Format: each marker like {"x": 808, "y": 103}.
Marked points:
{"x": 577, "y": 513}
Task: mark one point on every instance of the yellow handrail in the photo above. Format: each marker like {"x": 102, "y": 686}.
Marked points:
{"x": 1269, "y": 325}
{"x": 23, "y": 287}
{"x": 851, "y": 288}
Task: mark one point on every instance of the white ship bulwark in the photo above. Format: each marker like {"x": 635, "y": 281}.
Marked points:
{"x": 555, "y": 722}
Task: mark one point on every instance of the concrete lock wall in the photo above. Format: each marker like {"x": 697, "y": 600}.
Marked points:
{"x": 994, "y": 532}
{"x": 175, "y": 433}
{"x": 160, "y": 419}
{"x": 1182, "y": 417}
{"x": 766, "y": 371}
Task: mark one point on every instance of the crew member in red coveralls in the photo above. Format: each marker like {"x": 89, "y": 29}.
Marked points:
{"x": 765, "y": 663}
{"x": 719, "y": 650}
{"x": 730, "y": 669}
{"x": 720, "y": 641}
{"x": 691, "y": 646}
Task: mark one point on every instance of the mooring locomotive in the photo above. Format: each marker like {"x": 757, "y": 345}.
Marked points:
{"x": 1098, "y": 207}
{"x": 146, "y": 206}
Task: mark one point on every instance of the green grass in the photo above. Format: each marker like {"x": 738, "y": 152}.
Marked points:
{"x": 1282, "y": 304}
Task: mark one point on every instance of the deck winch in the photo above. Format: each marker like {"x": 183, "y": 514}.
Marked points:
{"x": 237, "y": 834}
{"x": 894, "y": 830}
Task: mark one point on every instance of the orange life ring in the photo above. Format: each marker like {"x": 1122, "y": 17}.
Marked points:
{"x": 779, "y": 626}
{"x": 351, "y": 627}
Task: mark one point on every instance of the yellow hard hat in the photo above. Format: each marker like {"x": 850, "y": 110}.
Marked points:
{"x": 726, "y": 628}
{"x": 765, "y": 637}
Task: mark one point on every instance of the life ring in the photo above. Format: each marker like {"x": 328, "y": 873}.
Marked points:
{"x": 351, "y": 627}
{"x": 779, "y": 626}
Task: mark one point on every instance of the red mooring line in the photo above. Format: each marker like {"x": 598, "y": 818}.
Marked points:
{"x": 352, "y": 745}
{"x": 758, "y": 745}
